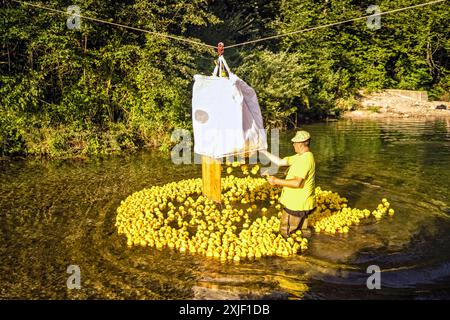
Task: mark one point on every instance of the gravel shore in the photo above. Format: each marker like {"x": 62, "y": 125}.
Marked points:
{"x": 393, "y": 104}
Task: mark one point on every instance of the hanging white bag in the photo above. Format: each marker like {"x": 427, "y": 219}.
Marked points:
{"x": 226, "y": 115}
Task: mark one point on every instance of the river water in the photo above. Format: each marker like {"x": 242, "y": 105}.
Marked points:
{"x": 59, "y": 213}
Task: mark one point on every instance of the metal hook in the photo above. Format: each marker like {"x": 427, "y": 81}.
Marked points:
{"x": 220, "y": 48}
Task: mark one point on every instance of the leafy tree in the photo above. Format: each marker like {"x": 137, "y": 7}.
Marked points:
{"x": 102, "y": 88}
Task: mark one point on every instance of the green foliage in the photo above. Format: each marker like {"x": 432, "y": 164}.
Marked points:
{"x": 279, "y": 81}
{"x": 11, "y": 134}
{"x": 104, "y": 89}
{"x": 410, "y": 51}
{"x": 100, "y": 89}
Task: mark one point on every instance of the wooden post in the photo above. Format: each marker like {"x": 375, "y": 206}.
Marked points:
{"x": 211, "y": 174}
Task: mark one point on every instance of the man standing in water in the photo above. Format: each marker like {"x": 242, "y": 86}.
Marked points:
{"x": 298, "y": 195}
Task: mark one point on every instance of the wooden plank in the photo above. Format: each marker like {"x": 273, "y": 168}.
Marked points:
{"x": 211, "y": 175}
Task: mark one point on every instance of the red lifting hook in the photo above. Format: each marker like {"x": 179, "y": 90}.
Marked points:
{"x": 220, "y": 48}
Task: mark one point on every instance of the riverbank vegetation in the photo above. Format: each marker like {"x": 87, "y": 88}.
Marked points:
{"x": 102, "y": 89}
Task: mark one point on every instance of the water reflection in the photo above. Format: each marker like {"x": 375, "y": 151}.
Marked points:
{"x": 57, "y": 213}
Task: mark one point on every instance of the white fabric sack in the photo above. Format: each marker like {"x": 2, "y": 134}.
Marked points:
{"x": 226, "y": 115}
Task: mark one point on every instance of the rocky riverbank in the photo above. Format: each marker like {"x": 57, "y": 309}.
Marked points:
{"x": 398, "y": 104}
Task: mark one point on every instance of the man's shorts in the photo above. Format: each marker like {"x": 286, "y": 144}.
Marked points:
{"x": 299, "y": 214}
{"x": 291, "y": 220}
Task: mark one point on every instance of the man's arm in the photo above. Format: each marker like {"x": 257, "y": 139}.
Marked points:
{"x": 296, "y": 182}
{"x": 278, "y": 161}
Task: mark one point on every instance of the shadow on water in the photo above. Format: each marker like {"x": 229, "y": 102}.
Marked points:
{"x": 57, "y": 213}
{"x": 412, "y": 271}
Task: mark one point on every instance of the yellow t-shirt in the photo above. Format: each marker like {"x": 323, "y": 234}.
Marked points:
{"x": 303, "y": 198}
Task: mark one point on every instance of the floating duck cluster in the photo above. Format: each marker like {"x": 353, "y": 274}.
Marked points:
{"x": 333, "y": 215}
{"x": 244, "y": 227}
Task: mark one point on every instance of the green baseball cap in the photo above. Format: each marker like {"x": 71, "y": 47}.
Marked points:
{"x": 301, "y": 136}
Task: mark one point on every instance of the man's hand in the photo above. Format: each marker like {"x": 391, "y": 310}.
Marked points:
{"x": 272, "y": 180}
